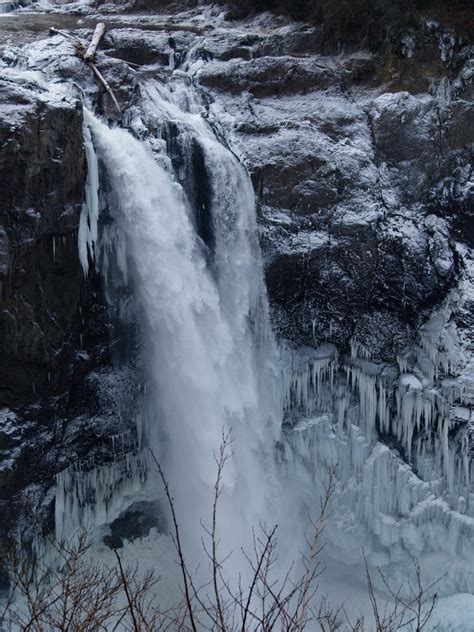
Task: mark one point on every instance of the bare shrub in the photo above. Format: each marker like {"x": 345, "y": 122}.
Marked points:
{"x": 78, "y": 594}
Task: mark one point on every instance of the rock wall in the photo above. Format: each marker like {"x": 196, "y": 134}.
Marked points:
{"x": 353, "y": 170}
{"x": 42, "y": 181}
{"x": 41, "y": 178}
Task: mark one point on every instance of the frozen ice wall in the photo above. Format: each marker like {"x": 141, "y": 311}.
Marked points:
{"x": 88, "y": 222}
{"x": 404, "y": 486}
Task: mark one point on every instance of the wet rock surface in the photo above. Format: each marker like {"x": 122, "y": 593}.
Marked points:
{"x": 135, "y": 522}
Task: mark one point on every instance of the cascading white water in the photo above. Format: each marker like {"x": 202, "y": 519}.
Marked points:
{"x": 204, "y": 356}
{"x": 8, "y": 6}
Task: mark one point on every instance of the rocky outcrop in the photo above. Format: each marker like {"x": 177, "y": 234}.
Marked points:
{"x": 41, "y": 173}
{"x": 271, "y": 77}
{"x": 41, "y": 177}
{"x": 348, "y": 177}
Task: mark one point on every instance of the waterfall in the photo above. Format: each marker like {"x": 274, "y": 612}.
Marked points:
{"x": 206, "y": 327}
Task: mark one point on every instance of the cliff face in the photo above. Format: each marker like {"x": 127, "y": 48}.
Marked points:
{"x": 63, "y": 389}
{"x": 52, "y": 319}
{"x": 362, "y": 169}
{"x": 359, "y": 172}
{"x": 42, "y": 181}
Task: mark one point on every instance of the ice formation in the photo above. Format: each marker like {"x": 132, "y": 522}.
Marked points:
{"x": 395, "y": 510}
{"x": 92, "y": 492}
{"x": 88, "y": 222}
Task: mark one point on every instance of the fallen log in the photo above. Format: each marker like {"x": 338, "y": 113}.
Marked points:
{"x": 88, "y": 55}
{"x": 96, "y": 37}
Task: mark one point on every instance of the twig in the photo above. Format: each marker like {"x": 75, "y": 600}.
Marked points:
{"x": 217, "y": 492}
{"x": 99, "y": 76}
{"x": 127, "y": 592}
{"x": 179, "y": 548}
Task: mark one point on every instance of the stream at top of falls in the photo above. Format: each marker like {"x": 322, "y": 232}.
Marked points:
{"x": 182, "y": 236}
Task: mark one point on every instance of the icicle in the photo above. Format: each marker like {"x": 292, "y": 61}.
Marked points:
{"x": 402, "y": 364}
{"x": 365, "y": 385}
{"x": 89, "y": 494}
{"x": 306, "y": 375}
{"x": 359, "y": 351}
{"x": 383, "y": 409}
{"x": 88, "y": 222}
